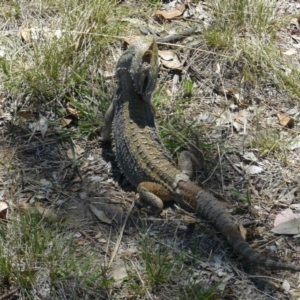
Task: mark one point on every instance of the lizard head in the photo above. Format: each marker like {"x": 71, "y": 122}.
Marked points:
{"x": 144, "y": 66}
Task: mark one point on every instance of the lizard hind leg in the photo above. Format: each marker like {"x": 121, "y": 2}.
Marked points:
{"x": 152, "y": 195}
{"x": 187, "y": 163}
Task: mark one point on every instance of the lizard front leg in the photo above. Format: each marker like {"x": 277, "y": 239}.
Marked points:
{"x": 106, "y": 129}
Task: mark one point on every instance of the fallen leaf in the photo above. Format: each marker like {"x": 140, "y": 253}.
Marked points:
{"x": 224, "y": 119}
{"x": 2, "y": 52}
{"x": 118, "y": 272}
{"x": 98, "y": 235}
{"x": 78, "y": 152}
{"x": 241, "y": 116}
{"x": 131, "y": 39}
{"x": 189, "y": 220}
{"x": 253, "y": 170}
{"x": 25, "y": 35}
{"x": 3, "y": 210}
{"x": 171, "y": 14}
{"x": 170, "y": 59}
{"x": 36, "y": 208}
{"x": 286, "y": 285}
{"x": 47, "y": 213}
{"x": 250, "y": 156}
{"x": 290, "y": 52}
{"x": 72, "y": 111}
{"x": 100, "y": 214}
{"x": 295, "y": 143}
{"x": 58, "y": 33}
{"x": 41, "y": 125}
{"x": 30, "y": 34}
{"x": 285, "y": 120}
{"x": 289, "y": 227}
{"x": 284, "y": 216}
{"x": 65, "y": 122}
{"x": 289, "y": 196}
{"x": 243, "y": 231}
{"x": 84, "y": 164}
{"x": 237, "y": 126}
{"x": 169, "y": 93}
{"x": 26, "y": 114}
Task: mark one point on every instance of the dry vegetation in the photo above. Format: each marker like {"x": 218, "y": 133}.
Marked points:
{"x": 72, "y": 230}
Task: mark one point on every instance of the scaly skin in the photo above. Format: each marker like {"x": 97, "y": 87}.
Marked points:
{"x": 145, "y": 161}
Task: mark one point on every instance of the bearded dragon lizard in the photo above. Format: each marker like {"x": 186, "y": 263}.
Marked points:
{"x": 144, "y": 160}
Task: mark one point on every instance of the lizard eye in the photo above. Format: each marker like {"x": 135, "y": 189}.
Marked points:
{"x": 147, "y": 56}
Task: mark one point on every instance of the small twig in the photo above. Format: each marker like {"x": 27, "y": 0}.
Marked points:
{"x": 220, "y": 160}
{"x": 94, "y": 242}
{"x": 286, "y": 240}
{"x": 8, "y": 294}
{"x": 250, "y": 223}
{"x": 233, "y": 166}
{"x": 267, "y": 243}
{"x": 267, "y": 277}
{"x": 120, "y": 235}
{"x": 141, "y": 280}
{"x": 211, "y": 174}
{"x": 187, "y": 213}
{"x": 176, "y": 37}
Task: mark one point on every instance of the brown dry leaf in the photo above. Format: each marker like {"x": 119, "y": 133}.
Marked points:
{"x": 65, "y": 122}
{"x": 171, "y": 14}
{"x": 3, "y": 210}
{"x": 243, "y": 231}
{"x": 78, "y": 152}
{"x": 131, "y": 39}
{"x": 241, "y": 116}
{"x": 37, "y": 209}
{"x": 30, "y": 34}
{"x": 85, "y": 164}
{"x": 285, "y": 120}
{"x": 26, "y": 114}
{"x": 72, "y": 111}
{"x": 170, "y": 59}
{"x": 47, "y": 213}
{"x": 189, "y": 220}
{"x": 25, "y": 35}
{"x": 169, "y": 93}
{"x": 101, "y": 216}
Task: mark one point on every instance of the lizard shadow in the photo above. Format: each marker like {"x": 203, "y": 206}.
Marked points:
{"x": 116, "y": 174}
